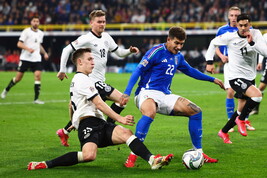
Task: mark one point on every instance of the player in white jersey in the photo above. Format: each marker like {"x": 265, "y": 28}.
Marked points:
{"x": 263, "y": 80}
{"x": 93, "y": 130}
{"x": 243, "y": 46}
{"x": 101, "y": 43}
{"x": 30, "y": 42}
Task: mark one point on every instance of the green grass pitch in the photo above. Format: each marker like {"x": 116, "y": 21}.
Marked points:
{"x": 28, "y": 133}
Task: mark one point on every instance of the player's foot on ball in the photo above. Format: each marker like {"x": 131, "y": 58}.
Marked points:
{"x": 130, "y": 160}
{"x": 241, "y": 126}
{"x": 37, "y": 165}
{"x": 225, "y": 137}
{"x": 208, "y": 159}
{"x": 160, "y": 161}
{"x": 63, "y": 137}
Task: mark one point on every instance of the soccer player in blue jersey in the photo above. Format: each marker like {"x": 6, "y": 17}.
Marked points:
{"x": 222, "y": 53}
{"x": 153, "y": 95}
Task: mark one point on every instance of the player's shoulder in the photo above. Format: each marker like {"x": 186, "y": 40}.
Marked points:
{"x": 156, "y": 50}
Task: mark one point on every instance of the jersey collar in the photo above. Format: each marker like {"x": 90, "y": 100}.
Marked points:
{"x": 95, "y": 34}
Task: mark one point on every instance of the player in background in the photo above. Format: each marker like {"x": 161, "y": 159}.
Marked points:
{"x": 93, "y": 130}
{"x": 263, "y": 80}
{"x": 222, "y": 53}
{"x": 243, "y": 47}
{"x": 100, "y": 43}
{"x": 30, "y": 58}
{"x": 153, "y": 95}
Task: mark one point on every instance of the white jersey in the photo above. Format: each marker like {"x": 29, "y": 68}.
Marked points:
{"x": 83, "y": 89}
{"x": 100, "y": 46}
{"x": 260, "y": 56}
{"x": 32, "y": 39}
{"x": 241, "y": 55}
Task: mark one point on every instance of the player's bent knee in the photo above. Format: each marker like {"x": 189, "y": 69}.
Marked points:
{"x": 89, "y": 157}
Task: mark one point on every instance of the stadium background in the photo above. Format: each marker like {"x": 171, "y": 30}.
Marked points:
{"x": 142, "y": 23}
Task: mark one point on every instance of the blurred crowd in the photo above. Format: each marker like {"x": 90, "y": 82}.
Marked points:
{"x": 15, "y": 12}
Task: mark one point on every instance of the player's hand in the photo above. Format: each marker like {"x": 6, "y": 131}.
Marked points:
{"x": 134, "y": 49}
{"x": 61, "y": 76}
{"x": 127, "y": 120}
{"x": 249, "y": 36}
{"x": 30, "y": 50}
{"x": 124, "y": 99}
{"x": 219, "y": 82}
{"x": 259, "y": 66}
{"x": 224, "y": 59}
{"x": 210, "y": 68}
{"x": 46, "y": 56}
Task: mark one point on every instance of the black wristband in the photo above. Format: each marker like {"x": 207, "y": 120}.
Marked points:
{"x": 209, "y": 62}
{"x": 251, "y": 43}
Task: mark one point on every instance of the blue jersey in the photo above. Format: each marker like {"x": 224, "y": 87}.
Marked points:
{"x": 157, "y": 68}
{"x": 222, "y": 30}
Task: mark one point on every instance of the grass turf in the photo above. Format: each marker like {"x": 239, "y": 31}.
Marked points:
{"x": 28, "y": 133}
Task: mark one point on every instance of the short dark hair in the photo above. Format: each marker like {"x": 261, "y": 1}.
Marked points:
{"x": 34, "y": 17}
{"x": 79, "y": 53}
{"x": 177, "y": 32}
{"x": 96, "y": 13}
{"x": 243, "y": 16}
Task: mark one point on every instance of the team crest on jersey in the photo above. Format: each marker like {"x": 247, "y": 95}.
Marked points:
{"x": 106, "y": 43}
{"x": 95, "y": 45}
{"x": 75, "y": 42}
{"x": 144, "y": 62}
{"x": 244, "y": 86}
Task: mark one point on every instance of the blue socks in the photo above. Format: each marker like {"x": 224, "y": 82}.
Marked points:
{"x": 142, "y": 127}
{"x": 195, "y": 130}
{"x": 230, "y": 107}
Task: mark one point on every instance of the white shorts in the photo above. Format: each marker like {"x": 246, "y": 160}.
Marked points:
{"x": 165, "y": 102}
{"x": 226, "y": 74}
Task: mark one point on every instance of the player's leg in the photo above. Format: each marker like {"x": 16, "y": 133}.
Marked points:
{"x": 230, "y": 104}
{"x": 255, "y": 98}
{"x": 37, "y": 86}
{"x": 122, "y": 135}
{"x": 147, "y": 106}
{"x": 115, "y": 96}
{"x": 13, "y": 82}
{"x": 184, "y": 107}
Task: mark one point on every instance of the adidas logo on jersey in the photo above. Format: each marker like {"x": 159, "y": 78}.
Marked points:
{"x": 164, "y": 60}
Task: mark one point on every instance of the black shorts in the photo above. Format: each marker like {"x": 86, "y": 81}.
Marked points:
{"x": 240, "y": 86}
{"x": 95, "y": 130}
{"x": 104, "y": 90}
{"x": 264, "y": 77}
{"x": 33, "y": 66}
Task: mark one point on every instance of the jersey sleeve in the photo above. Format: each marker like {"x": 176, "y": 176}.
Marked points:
{"x": 260, "y": 45}
{"x": 112, "y": 44}
{"x": 192, "y": 72}
{"x": 23, "y": 35}
{"x": 221, "y": 40}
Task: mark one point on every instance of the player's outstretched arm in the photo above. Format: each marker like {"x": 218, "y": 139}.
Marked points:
{"x": 102, "y": 106}
{"x": 219, "y": 82}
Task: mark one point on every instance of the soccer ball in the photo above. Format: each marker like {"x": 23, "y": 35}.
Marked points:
{"x": 193, "y": 159}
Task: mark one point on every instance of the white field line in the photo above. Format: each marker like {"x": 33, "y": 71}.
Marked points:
{"x": 31, "y": 102}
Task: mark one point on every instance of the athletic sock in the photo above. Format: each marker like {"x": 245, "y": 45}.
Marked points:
{"x": 116, "y": 109}
{"x": 250, "y": 104}
{"x": 195, "y": 129}
{"x": 67, "y": 126}
{"x": 67, "y": 159}
{"x": 37, "y": 87}
{"x": 230, "y": 107}
{"x": 142, "y": 127}
{"x": 230, "y": 124}
{"x": 11, "y": 84}
{"x": 138, "y": 148}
